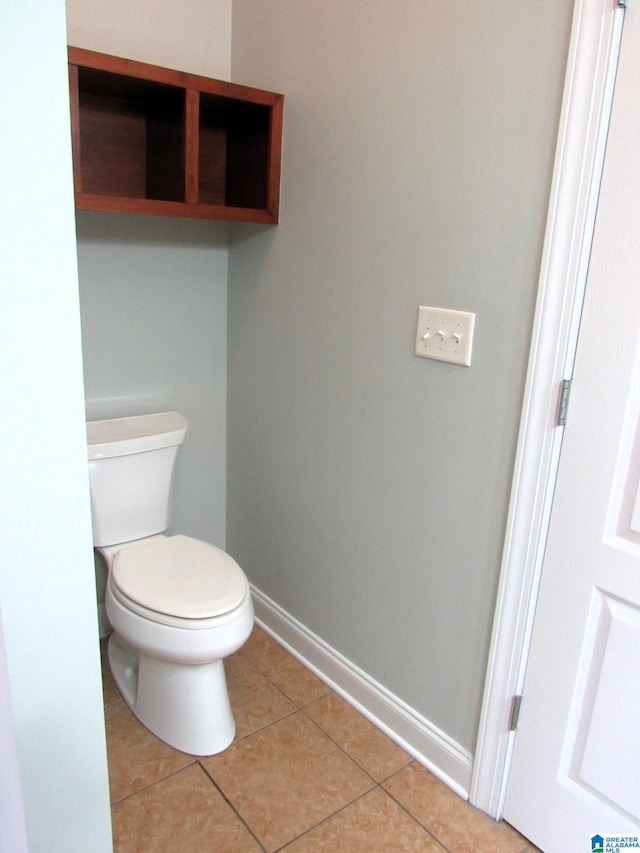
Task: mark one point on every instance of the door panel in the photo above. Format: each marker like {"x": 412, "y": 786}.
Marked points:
{"x": 606, "y": 701}
{"x": 575, "y": 770}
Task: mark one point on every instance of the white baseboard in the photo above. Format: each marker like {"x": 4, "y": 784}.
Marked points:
{"x": 431, "y": 747}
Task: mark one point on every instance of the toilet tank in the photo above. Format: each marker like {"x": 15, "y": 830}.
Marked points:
{"x": 130, "y": 471}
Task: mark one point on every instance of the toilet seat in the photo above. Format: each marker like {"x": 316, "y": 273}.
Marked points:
{"x": 177, "y": 580}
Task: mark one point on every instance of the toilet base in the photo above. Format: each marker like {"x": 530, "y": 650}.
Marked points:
{"x": 185, "y": 705}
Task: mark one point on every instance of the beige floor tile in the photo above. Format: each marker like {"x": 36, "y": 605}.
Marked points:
{"x": 367, "y": 745}
{"x": 254, "y": 699}
{"x": 280, "y": 667}
{"x": 180, "y": 814}
{"x": 457, "y": 825}
{"x": 137, "y": 758}
{"x": 373, "y": 823}
{"x": 285, "y": 779}
{"x": 257, "y": 639}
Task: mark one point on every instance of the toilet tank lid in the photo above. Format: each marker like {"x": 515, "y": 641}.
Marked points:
{"x": 136, "y": 434}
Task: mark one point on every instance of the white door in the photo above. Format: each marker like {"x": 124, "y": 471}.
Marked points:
{"x": 575, "y": 773}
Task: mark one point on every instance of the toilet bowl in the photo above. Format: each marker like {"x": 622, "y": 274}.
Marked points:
{"x": 178, "y": 606}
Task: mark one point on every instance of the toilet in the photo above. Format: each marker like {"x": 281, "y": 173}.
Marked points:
{"x": 178, "y": 606}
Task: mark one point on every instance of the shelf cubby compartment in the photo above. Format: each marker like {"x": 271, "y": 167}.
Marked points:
{"x": 233, "y": 161}
{"x": 156, "y": 141}
{"x": 131, "y": 137}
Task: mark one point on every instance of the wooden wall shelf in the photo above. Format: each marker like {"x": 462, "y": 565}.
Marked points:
{"x": 155, "y": 141}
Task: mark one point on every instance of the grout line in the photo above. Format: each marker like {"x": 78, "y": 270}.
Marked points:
{"x": 231, "y": 806}
{"x": 268, "y": 640}
{"x": 340, "y": 747}
{"x": 419, "y": 822}
{"x": 297, "y": 708}
{"x": 257, "y": 669}
{"x": 265, "y": 726}
{"x": 155, "y": 782}
{"x": 327, "y": 818}
{"x": 409, "y": 760}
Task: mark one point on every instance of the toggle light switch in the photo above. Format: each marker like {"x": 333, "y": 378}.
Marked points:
{"x": 445, "y": 335}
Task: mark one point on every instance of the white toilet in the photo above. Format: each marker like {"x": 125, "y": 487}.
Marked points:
{"x": 177, "y": 605}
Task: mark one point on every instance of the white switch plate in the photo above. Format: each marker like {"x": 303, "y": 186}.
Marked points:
{"x": 445, "y": 335}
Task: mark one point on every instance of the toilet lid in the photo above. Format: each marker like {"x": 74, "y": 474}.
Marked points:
{"x": 179, "y": 576}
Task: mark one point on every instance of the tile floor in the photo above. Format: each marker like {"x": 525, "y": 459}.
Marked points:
{"x": 306, "y": 772}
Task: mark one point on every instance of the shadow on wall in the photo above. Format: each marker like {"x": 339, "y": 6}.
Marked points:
{"x": 151, "y": 230}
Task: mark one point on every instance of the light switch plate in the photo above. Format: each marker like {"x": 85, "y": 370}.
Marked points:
{"x": 445, "y": 335}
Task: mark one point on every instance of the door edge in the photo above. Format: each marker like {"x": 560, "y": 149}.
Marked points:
{"x": 584, "y": 118}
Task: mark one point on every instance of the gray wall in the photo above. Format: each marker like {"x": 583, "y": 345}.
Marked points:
{"x": 154, "y": 290}
{"x": 191, "y": 36}
{"x": 153, "y": 296}
{"x": 367, "y": 488}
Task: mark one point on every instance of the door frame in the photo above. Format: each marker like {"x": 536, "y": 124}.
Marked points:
{"x": 584, "y": 118}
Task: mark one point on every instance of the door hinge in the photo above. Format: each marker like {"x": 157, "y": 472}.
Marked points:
{"x": 563, "y": 402}
{"x": 516, "y": 702}
{"x": 622, "y": 4}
